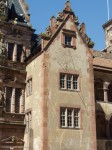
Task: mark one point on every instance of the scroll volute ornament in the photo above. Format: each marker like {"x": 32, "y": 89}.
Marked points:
{"x": 3, "y": 9}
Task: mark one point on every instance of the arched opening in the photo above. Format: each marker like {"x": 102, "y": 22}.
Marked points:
{"x": 99, "y": 93}
{"x": 101, "y": 126}
{"x": 110, "y": 93}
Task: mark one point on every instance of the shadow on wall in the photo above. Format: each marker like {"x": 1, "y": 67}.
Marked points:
{"x": 100, "y": 122}
{"x": 31, "y": 139}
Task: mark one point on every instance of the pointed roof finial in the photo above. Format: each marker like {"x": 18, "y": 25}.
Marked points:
{"x": 67, "y": 6}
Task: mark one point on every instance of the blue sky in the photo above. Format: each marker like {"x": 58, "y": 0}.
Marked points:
{"x": 92, "y": 12}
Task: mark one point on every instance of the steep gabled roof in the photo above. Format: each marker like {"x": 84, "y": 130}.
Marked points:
{"x": 35, "y": 42}
{"x": 17, "y": 6}
{"x": 57, "y": 24}
{"x": 17, "y": 11}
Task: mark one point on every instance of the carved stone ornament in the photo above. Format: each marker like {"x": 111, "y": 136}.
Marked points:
{"x": 67, "y": 6}
{"x": 12, "y": 139}
{"x": 47, "y": 34}
{"x": 2, "y": 98}
{"x": 2, "y": 45}
{"x": 60, "y": 16}
{"x": 76, "y": 21}
{"x": 3, "y": 9}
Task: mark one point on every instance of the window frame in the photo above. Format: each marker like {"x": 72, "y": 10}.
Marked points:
{"x": 65, "y": 84}
{"x": 72, "y": 35}
{"x": 29, "y": 86}
{"x": 68, "y": 40}
{"x": 28, "y": 121}
{"x": 10, "y": 51}
{"x": 70, "y": 120}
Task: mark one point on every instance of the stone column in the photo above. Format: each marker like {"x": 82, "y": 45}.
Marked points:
{"x": 23, "y": 54}
{"x": 105, "y": 88}
{"x": 15, "y": 53}
{"x": 22, "y": 101}
{"x": 13, "y": 101}
{"x": 5, "y": 98}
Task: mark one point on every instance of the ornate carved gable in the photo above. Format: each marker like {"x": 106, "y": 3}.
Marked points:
{"x": 12, "y": 140}
{"x": 56, "y": 24}
{"x": 84, "y": 36}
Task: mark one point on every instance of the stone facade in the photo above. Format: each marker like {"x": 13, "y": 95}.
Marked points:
{"x": 55, "y": 89}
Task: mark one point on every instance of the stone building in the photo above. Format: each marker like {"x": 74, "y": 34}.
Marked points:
{"x": 55, "y": 89}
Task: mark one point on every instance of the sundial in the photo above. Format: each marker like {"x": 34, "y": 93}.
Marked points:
{"x": 64, "y": 58}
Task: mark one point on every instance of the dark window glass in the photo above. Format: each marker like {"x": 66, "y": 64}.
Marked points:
{"x": 19, "y": 52}
{"x": 8, "y": 98}
{"x": 17, "y": 99}
{"x": 68, "y": 40}
{"x": 10, "y": 51}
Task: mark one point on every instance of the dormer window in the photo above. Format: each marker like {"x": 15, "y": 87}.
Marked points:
{"x": 68, "y": 40}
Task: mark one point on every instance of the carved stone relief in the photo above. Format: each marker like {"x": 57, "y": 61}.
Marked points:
{"x": 3, "y": 6}
{"x": 2, "y": 45}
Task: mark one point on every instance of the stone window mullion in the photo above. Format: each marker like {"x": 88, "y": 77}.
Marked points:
{"x": 73, "y": 118}
{"x": 13, "y": 101}
{"x": 23, "y": 54}
{"x": 15, "y": 53}
{"x": 22, "y": 101}
{"x": 66, "y": 118}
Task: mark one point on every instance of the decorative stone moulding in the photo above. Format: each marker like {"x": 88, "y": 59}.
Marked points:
{"x": 60, "y": 17}
{"x": 3, "y": 48}
{"x": 45, "y": 36}
{"x": 76, "y": 21}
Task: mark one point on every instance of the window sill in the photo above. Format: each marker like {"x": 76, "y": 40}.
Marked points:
{"x": 71, "y": 128}
{"x": 70, "y": 90}
{"x": 69, "y": 46}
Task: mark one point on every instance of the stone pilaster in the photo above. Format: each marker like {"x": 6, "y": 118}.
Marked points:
{"x": 4, "y": 98}
{"x": 22, "y": 101}
{"x": 13, "y": 101}
{"x": 23, "y": 54}
{"x": 15, "y": 53}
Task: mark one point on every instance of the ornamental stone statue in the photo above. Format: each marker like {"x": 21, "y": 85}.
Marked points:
{"x": 2, "y": 45}
{"x": 3, "y": 9}
{"x": 2, "y": 99}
